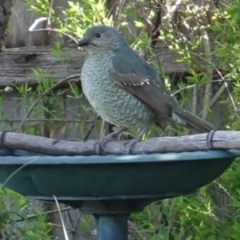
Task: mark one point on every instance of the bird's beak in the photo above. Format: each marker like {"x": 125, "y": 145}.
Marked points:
{"x": 83, "y": 42}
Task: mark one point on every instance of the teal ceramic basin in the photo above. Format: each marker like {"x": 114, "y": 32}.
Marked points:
{"x": 81, "y": 178}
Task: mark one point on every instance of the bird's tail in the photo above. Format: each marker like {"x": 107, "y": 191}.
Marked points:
{"x": 188, "y": 119}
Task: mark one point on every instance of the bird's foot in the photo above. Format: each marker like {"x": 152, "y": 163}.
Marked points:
{"x": 99, "y": 144}
{"x": 129, "y": 145}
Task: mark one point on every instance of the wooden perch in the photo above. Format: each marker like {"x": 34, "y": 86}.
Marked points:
{"x": 199, "y": 142}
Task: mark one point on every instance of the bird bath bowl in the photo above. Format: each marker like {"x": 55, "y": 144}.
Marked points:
{"x": 111, "y": 187}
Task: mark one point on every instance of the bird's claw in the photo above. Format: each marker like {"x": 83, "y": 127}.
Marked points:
{"x": 99, "y": 146}
{"x": 129, "y": 145}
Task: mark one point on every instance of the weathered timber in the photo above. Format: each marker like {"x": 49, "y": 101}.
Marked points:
{"x": 17, "y": 64}
{"x": 199, "y": 142}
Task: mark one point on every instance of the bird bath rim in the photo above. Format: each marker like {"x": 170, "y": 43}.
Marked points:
{"x": 116, "y": 159}
{"x": 113, "y": 183}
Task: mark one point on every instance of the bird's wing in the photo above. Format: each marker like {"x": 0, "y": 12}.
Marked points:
{"x": 138, "y": 82}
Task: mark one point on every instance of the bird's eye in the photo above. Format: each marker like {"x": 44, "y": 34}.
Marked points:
{"x": 98, "y": 35}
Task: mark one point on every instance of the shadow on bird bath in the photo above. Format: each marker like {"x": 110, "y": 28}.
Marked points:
{"x": 111, "y": 187}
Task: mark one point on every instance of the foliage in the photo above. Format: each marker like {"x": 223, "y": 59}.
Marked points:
{"x": 206, "y": 41}
{"x": 21, "y": 218}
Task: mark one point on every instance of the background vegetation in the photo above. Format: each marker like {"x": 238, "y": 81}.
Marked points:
{"x": 205, "y": 37}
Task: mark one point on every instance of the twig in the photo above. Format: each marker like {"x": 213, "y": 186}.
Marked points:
{"x": 223, "y": 80}
{"x": 182, "y": 89}
{"x": 194, "y": 103}
{"x": 156, "y": 32}
{"x": 208, "y": 88}
{"x": 49, "y": 14}
{"x": 42, "y": 95}
{"x": 40, "y": 214}
{"x": 48, "y": 26}
{"x": 61, "y": 219}
{"x": 138, "y": 37}
{"x": 170, "y": 10}
{"x": 60, "y": 226}
{"x": 217, "y": 95}
{"x": 36, "y": 22}
{"x": 77, "y": 219}
{"x": 220, "y": 91}
{"x": 90, "y": 130}
{"x": 55, "y": 30}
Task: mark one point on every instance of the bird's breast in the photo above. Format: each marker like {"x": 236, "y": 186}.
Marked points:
{"x": 111, "y": 101}
{"x": 95, "y": 80}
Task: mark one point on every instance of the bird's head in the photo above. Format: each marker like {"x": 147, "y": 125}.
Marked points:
{"x": 101, "y": 38}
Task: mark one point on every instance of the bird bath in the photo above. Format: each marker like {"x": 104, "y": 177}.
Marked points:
{"x": 111, "y": 187}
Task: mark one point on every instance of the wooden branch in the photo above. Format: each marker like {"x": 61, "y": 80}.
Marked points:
{"x": 16, "y": 64}
{"x": 199, "y": 142}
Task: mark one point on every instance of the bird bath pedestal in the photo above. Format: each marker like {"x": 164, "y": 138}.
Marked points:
{"x": 111, "y": 187}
